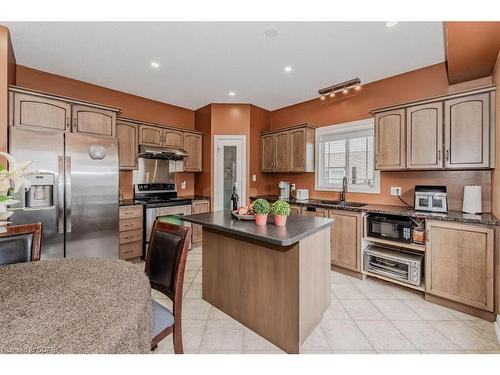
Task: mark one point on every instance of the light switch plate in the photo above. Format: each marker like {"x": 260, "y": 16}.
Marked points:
{"x": 183, "y": 185}
{"x": 396, "y": 190}
{"x": 254, "y": 178}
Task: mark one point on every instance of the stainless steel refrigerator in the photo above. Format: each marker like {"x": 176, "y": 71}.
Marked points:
{"x": 81, "y": 219}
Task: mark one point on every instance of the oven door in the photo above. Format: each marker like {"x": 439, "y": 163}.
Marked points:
{"x": 170, "y": 214}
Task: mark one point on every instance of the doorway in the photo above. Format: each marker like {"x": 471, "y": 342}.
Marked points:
{"x": 230, "y": 167}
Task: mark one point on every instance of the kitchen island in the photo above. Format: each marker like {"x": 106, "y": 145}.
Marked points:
{"x": 274, "y": 280}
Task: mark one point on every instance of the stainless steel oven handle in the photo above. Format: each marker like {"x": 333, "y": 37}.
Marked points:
{"x": 60, "y": 194}
{"x": 68, "y": 193}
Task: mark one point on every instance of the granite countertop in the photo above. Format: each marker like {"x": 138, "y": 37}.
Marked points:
{"x": 129, "y": 202}
{"x": 297, "y": 227}
{"x": 457, "y": 216}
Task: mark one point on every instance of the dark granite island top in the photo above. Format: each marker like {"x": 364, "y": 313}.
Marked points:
{"x": 297, "y": 227}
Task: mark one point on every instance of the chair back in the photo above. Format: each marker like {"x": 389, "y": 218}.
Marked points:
{"x": 20, "y": 243}
{"x": 166, "y": 258}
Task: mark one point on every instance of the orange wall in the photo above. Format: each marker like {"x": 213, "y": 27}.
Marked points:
{"x": 7, "y": 76}
{"x": 260, "y": 120}
{"x": 417, "y": 84}
{"x": 132, "y": 106}
{"x": 471, "y": 49}
{"x": 232, "y": 119}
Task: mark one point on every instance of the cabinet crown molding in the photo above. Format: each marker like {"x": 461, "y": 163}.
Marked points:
{"x": 170, "y": 127}
{"x": 431, "y": 99}
{"x": 23, "y": 90}
{"x": 292, "y": 127}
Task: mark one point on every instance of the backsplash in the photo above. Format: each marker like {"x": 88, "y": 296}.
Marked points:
{"x": 454, "y": 180}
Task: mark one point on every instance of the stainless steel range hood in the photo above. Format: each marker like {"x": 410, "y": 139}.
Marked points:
{"x": 165, "y": 153}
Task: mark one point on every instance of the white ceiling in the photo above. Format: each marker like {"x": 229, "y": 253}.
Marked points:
{"x": 202, "y": 61}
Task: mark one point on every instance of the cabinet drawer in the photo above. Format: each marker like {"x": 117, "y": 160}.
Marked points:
{"x": 131, "y": 250}
{"x": 130, "y": 212}
{"x": 131, "y": 236}
{"x": 130, "y": 224}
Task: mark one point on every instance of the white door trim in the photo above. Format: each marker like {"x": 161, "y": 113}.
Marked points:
{"x": 240, "y": 141}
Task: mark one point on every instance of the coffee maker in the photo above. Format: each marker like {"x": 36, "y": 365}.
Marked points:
{"x": 41, "y": 192}
{"x": 284, "y": 189}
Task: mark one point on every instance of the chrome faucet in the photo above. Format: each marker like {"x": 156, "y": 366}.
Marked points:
{"x": 344, "y": 189}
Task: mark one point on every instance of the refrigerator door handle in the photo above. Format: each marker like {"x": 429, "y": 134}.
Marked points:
{"x": 60, "y": 194}
{"x": 68, "y": 193}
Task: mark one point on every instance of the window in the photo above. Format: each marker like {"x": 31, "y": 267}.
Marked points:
{"x": 346, "y": 150}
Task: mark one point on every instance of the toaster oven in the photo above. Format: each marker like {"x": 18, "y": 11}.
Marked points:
{"x": 398, "y": 265}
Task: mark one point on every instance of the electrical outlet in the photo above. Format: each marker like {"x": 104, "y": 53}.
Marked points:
{"x": 292, "y": 187}
{"x": 183, "y": 185}
{"x": 254, "y": 178}
{"x": 396, "y": 190}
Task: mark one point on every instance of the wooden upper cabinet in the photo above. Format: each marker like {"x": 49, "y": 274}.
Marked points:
{"x": 302, "y": 150}
{"x": 127, "y": 144}
{"x": 268, "y": 152}
{"x": 424, "y": 136}
{"x": 150, "y": 135}
{"x": 96, "y": 121}
{"x": 173, "y": 138}
{"x": 345, "y": 239}
{"x": 467, "y": 132}
{"x": 32, "y": 110}
{"x": 390, "y": 142}
{"x": 282, "y": 153}
{"x": 459, "y": 263}
{"x": 193, "y": 146}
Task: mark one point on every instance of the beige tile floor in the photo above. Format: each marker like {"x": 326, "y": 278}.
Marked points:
{"x": 365, "y": 316}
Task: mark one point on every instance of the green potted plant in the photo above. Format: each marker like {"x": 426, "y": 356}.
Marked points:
{"x": 280, "y": 209}
{"x": 261, "y": 208}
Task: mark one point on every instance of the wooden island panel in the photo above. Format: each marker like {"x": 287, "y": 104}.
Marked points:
{"x": 279, "y": 292}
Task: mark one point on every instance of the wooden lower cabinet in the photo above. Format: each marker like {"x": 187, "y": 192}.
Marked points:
{"x": 198, "y": 207}
{"x": 315, "y": 211}
{"x": 345, "y": 239}
{"x": 131, "y": 233}
{"x": 459, "y": 263}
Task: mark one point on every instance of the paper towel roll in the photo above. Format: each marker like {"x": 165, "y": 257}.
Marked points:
{"x": 472, "y": 199}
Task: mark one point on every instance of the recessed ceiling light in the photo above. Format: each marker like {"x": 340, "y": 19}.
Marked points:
{"x": 391, "y": 23}
{"x": 155, "y": 64}
{"x": 271, "y": 33}
{"x": 288, "y": 69}
{"x": 231, "y": 93}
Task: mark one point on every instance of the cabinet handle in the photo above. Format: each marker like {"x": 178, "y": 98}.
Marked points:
{"x": 129, "y": 237}
{"x": 67, "y": 122}
{"x": 447, "y": 155}
{"x": 128, "y": 225}
{"x": 439, "y": 155}
{"x": 376, "y": 158}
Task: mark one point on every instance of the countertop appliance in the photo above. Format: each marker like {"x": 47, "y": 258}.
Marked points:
{"x": 472, "y": 200}
{"x": 284, "y": 190}
{"x": 399, "y": 265}
{"x": 431, "y": 198}
{"x": 75, "y": 192}
{"x": 160, "y": 202}
{"x": 390, "y": 227}
{"x": 302, "y": 194}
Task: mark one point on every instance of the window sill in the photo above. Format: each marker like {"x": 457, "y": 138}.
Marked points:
{"x": 375, "y": 190}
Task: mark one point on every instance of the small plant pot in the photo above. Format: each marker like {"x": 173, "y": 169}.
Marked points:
{"x": 280, "y": 220}
{"x": 260, "y": 219}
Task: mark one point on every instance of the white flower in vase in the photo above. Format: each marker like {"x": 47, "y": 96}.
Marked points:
{"x": 11, "y": 180}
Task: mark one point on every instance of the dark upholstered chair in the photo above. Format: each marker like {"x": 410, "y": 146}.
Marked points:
{"x": 21, "y": 243}
{"x": 165, "y": 265}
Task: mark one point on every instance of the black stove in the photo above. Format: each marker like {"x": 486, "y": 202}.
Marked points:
{"x": 158, "y": 195}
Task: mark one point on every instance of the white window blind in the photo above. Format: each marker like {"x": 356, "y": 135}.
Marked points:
{"x": 346, "y": 150}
